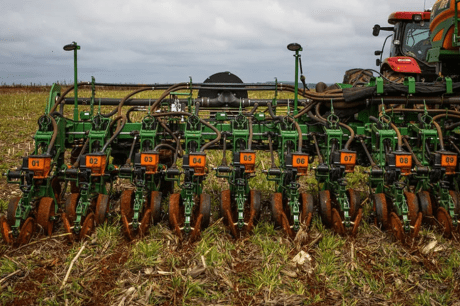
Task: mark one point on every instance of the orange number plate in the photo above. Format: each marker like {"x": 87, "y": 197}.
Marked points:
{"x": 197, "y": 160}
{"x": 93, "y": 161}
{"x": 149, "y": 159}
{"x": 300, "y": 161}
{"x": 36, "y": 163}
{"x": 449, "y": 160}
{"x": 348, "y": 158}
{"x": 403, "y": 161}
{"x": 247, "y": 158}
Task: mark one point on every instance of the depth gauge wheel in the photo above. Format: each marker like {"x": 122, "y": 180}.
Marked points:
{"x": 46, "y": 210}
{"x": 102, "y": 208}
{"x": 12, "y": 206}
{"x": 325, "y": 206}
{"x": 380, "y": 210}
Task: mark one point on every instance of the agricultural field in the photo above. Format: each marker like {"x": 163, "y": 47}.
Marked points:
{"x": 266, "y": 267}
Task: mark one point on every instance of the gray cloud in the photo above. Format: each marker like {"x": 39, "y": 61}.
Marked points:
{"x": 145, "y": 41}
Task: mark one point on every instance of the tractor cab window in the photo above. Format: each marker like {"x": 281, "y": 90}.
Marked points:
{"x": 416, "y": 41}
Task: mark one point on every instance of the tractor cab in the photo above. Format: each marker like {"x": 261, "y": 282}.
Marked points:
{"x": 409, "y": 47}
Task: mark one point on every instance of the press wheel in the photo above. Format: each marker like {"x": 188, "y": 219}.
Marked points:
{"x": 46, "y": 210}
{"x": 254, "y": 198}
{"x": 354, "y": 199}
{"x": 456, "y": 198}
{"x": 426, "y": 206}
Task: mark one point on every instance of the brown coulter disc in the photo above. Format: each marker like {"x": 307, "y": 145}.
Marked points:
{"x": 396, "y": 227}
{"x": 381, "y": 210}
{"x": 307, "y": 208}
{"x": 126, "y": 228}
{"x": 102, "y": 208}
{"x": 88, "y": 226}
{"x": 418, "y": 224}
{"x": 5, "y": 230}
{"x": 355, "y": 202}
{"x": 45, "y": 211}
{"x": 445, "y": 221}
{"x": 277, "y": 208}
{"x": 26, "y": 231}
{"x": 155, "y": 205}
{"x": 67, "y": 227}
{"x": 337, "y": 223}
{"x": 12, "y": 205}
{"x": 174, "y": 211}
{"x": 412, "y": 204}
{"x": 71, "y": 206}
{"x": 226, "y": 211}
{"x": 145, "y": 222}
{"x": 358, "y": 219}
{"x": 325, "y": 206}
{"x": 127, "y": 198}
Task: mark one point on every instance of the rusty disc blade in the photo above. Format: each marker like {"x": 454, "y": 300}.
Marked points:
{"x": 205, "y": 209}
{"x": 354, "y": 200}
{"x": 417, "y": 226}
{"x": 174, "y": 211}
{"x": 155, "y": 205}
{"x": 127, "y": 198}
{"x": 226, "y": 211}
{"x": 254, "y": 209}
{"x": 307, "y": 208}
{"x": 445, "y": 221}
{"x": 145, "y": 222}
{"x": 277, "y": 208}
{"x": 396, "y": 227}
{"x": 412, "y": 204}
{"x": 71, "y": 206}
{"x": 358, "y": 219}
{"x": 102, "y": 208}
{"x": 426, "y": 206}
{"x": 56, "y": 185}
{"x": 5, "y": 230}
{"x": 67, "y": 228}
{"x": 26, "y": 231}
{"x": 337, "y": 223}
{"x": 456, "y": 198}
{"x": 381, "y": 210}
{"x": 286, "y": 226}
{"x": 88, "y": 226}
{"x": 10, "y": 214}
{"x": 325, "y": 206}
{"x": 45, "y": 211}
{"x": 196, "y": 229}
{"x": 126, "y": 227}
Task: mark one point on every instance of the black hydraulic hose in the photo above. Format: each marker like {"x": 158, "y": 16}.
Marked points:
{"x": 272, "y": 156}
{"x": 417, "y": 162}
{"x": 272, "y": 114}
{"x": 398, "y": 133}
{"x": 299, "y": 131}
{"x": 132, "y": 109}
{"x": 212, "y": 142}
{"x": 320, "y": 157}
{"x": 440, "y": 136}
{"x": 251, "y": 134}
{"x": 77, "y": 161}
{"x": 129, "y": 96}
{"x": 305, "y": 109}
{"x": 369, "y": 156}
{"x": 117, "y": 132}
{"x": 251, "y": 113}
{"x": 455, "y": 146}
{"x": 224, "y": 152}
{"x": 61, "y": 98}
{"x": 352, "y": 132}
{"x": 167, "y": 146}
{"x": 128, "y": 161}
{"x": 53, "y": 138}
{"x": 176, "y": 153}
{"x": 197, "y": 108}
{"x": 168, "y": 130}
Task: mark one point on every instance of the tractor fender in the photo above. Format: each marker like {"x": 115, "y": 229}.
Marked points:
{"x": 401, "y": 64}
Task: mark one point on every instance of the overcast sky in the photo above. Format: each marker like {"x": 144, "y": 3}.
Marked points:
{"x": 153, "y": 41}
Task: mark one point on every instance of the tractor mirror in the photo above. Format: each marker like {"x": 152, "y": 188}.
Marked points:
{"x": 376, "y": 30}
{"x": 378, "y": 62}
{"x": 378, "y": 52}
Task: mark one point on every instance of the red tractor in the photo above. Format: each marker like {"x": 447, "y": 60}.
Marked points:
{"x": 409, "y": 47}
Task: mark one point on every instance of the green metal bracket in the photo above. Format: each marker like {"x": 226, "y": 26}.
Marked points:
{"x": 379, "y": 81}
{"x": 449, "y": 89}
{"x": 410, "y": 83}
